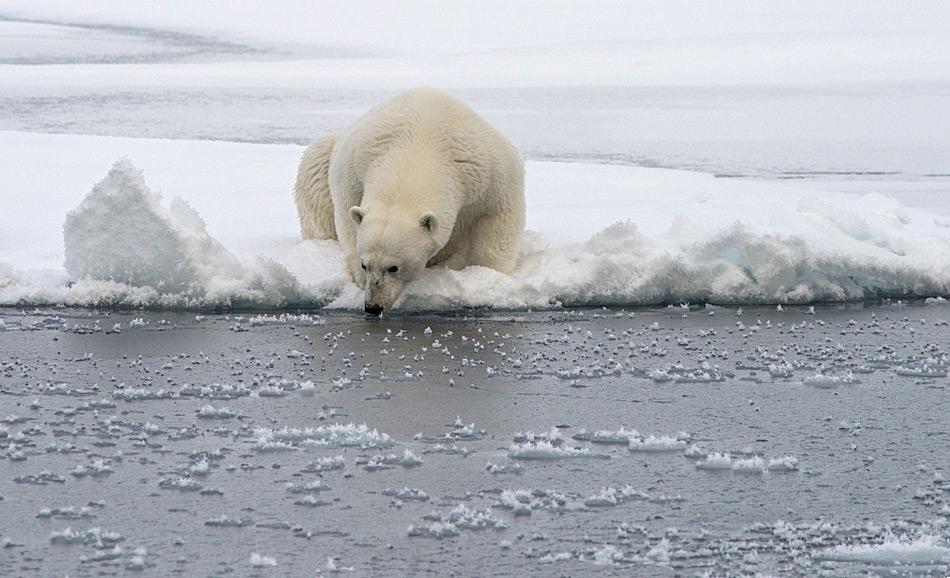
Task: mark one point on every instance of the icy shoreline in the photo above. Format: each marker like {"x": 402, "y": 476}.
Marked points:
{"x": 598, "y": 235}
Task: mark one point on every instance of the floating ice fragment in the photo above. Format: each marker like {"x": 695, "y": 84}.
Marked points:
{"x": 822, "y": 380}
{"x": 334, "y": 435}
{"x": 326, "y": 463}
{"x": 893, "y": 551}
{"x": 553, "y": 558}
{"x": 620, "y": 436}
{"x": 716, "y": 461}
{"x": 407, "y": 494}
{"x": 225, "y": 521}
{"x": 783, "y": 464}
{"x": 543, "y": 450}
{"x": 438, "y": 530}
{"x": 753, "y": 465}
{"x": 608, "y": 555}
{"x": 260, "y": 561}
{"x": 382, "y": 462}
{"x": 210, "y": 412}
{"x": 656, "y": 444}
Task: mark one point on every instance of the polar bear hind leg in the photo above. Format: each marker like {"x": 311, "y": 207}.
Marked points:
{"x": 312, "y": 191}
{"x": 495, "y": 242}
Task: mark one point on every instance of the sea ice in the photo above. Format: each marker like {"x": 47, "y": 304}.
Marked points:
{"x": 838, "y": 247}
{"x": 656, "y": 444}
{"x": 124, "y": 247}
{"x": 543, "y": 450}
{"x": 893, "y": 551}
{"x": 334, "y": 435}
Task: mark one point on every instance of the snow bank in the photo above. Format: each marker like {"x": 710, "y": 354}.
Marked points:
{"x": 123, "y": 247}
{"x": 689, "y": 237}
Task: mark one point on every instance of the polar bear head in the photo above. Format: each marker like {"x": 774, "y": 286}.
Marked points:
{"x": 393, "y": 248}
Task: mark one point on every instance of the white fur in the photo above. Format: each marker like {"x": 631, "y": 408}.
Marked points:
{"x": 420, "y": 180}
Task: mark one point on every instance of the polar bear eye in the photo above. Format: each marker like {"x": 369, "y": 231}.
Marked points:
{"x": 363, "y": 265}
{"x": 393, "y": 269}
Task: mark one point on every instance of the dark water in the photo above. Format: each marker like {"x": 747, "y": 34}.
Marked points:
{"x": 124, "y": 407}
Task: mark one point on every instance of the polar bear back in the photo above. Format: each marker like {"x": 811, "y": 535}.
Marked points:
{"x": 487, "y": 167}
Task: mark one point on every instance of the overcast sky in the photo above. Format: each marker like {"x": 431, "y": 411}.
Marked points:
{"x": 443, "y": 27}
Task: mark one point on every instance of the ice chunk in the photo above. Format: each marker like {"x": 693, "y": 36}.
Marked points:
{"x": 783, "y": 464}
{"x": 335, "y": 435}
{"x": 543, "y": 450}
{"x": 822, "y": 380}
{"x": 903, "y": 551}
{"x": 753, "y": 465}
{"x": 260, "y": 561}
{"x": 620, "y": 436}
{"x": 716, "y": 461}
{"x": 124, "y": 247}
{"x": 121, "y": 232}
{"x": 656, "y": 444}
{"x": 553, "y": 558}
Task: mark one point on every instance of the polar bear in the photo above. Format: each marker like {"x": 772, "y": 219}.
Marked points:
{"x": 420, "y": 180}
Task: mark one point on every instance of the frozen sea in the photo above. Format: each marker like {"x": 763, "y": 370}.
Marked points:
{"x": 723, "y": 351}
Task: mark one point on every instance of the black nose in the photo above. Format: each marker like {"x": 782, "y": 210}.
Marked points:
{"x": 372, "y": 309}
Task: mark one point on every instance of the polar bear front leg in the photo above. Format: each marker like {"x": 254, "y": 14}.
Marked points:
{"x": 346, "y": 231}
{"x": 495, "y": 242}
{"x": 353, "y": 266}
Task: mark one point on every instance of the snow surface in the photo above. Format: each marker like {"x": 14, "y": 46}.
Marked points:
{"x": 599, "y": 234}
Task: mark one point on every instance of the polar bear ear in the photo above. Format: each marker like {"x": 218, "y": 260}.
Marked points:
{"x": 357, "y": 213}
{"x": 428, "y": 221}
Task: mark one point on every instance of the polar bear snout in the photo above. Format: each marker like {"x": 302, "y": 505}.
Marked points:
{"x": 381, "y": 292}
{"x": 373, "y": 309}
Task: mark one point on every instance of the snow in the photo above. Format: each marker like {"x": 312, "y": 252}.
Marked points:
{"x": 652, "y": 236}
{"x": 121, "y": 233}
